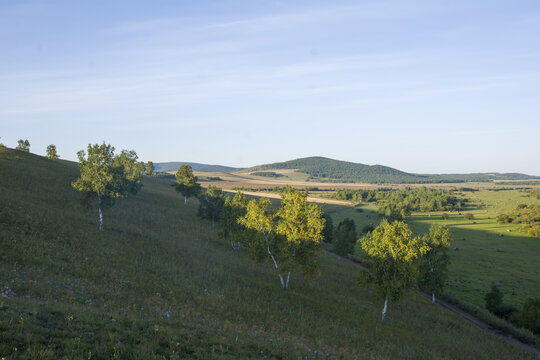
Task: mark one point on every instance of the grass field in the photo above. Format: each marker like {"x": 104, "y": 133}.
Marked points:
{"x": 158, "y": 283}
{"x": 476, "y": 263}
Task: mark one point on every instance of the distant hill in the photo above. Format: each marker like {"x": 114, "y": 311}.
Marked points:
{"x": 487, "y": 176}
{"x": 325, "y": 169}
{"x": 175, "y": 165}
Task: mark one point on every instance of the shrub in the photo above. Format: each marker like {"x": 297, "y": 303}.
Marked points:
{"x": 493, "y": 298}
{"x": 468, "y": 216}
{"x": 505, "y": 311}
{"x": 530, "y": 316}
{"x": 444, "y": 216}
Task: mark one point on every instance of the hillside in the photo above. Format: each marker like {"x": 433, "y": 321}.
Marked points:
{"x": 158, "y": 283}
{"x": 175, "y": 165}
{"x": 325, "y": 169}
{"x": 321, "y": 168}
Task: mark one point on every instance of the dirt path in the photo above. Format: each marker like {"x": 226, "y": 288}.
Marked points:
{"x": 529, "y": 348}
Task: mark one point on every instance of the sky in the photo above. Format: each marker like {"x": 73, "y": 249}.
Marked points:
{"x": 422, "y": 86}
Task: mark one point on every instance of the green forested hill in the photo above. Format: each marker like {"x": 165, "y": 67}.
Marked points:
{"x": 158, "y": 283}
{"x": 322, "y": 168}
{"x": 175, "y": 165}
{"x": 325, "y": 169}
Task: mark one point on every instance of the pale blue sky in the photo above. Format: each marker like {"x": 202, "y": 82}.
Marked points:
{"x": 422, "y": 86}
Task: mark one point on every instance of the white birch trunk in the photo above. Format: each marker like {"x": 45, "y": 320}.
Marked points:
{"x": 433, "y": 297}
{"x": 288, "y": 278}
{"x": 100, "y": 214}
{"x": 186, "y": 200}
{"x": 282, "y": 282}
{"x": 384, "y": 310}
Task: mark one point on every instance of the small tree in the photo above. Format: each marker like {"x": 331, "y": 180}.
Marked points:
{"x": 328, "y": 231}
{"x": 493, "y": 298}
{"x": 23, "y": 145}
{"x": 290, "y": 236}
{"x": 105, "y": 176}
{"x": 530, "y": 316}
{"x": 468, "y": 216}
{"x": 434, "y": 263}
{"x": 393, "y": 252}
{"x": 51, "y": 152}
{"x": 345, "y": 237}
{"x": 149, "y": 168}
{"x": 186, "y": 183}
{"x": 233, "y": 210}
{"x": 211, "y": 204}
{"x": 444, "y": 216}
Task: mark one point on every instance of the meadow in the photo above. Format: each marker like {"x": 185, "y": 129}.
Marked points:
{"x": 159, "y": 283}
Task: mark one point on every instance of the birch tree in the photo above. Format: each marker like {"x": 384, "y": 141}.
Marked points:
{"x": 393, "y": 252}
{"x": 149, "y": 168}
{"x": 211, "y": 204}
{"x": 289, "y": 236}
{"x": 230, "y": 229}
{"x": 434, "y": 263}
{"x": 51, "y": 152}
{"x": 23, "y": 145}
{"x": 186, "y": 183}
{"x": 106, "y": 177}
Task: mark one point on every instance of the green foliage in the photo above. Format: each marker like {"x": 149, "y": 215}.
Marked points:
{"x": 211, "y": 204}
{"x": 230, "y": 229}
{"x": 393, "y": 252}
{"x": 345, "y": 237}
{"x": 51, "y": 152}
{"x": 527, "y": 216}
{"x": 530, "y": 315}
{"x": 132, "y": 171}
{"x": 434, "y": 263}
{"x": 328, "y": 231}
{"x": 23, "y": 145}
{"x": 267, "y": 174}
{"x": 290, "y": 236}
{"x": 149, "y": 169}
{"x": 493, "y": 298}
{"x": 107, "y": 176}
{"x": 468, "y": 216}
{"x": 444, "y": 216}
{"x": 186, "y": 183}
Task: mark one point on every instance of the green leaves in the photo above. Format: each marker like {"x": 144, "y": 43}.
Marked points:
{"x": 51, "y": 152}
{"x": 186, "y": 182}
{"x": 394, "y": 253}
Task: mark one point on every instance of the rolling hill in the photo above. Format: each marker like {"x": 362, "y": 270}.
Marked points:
{"x": 325, "y": 169}
{"x": 175, "y": 165}
{"x": 158, "y": 283}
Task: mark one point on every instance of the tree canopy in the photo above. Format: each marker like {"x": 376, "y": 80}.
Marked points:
{"x": 23, "y": 145}
{"x": 186, "y": 183}
{"x": 434, "y": 263}
{"x": 345, "y": 237}
{"x": 393, "y": 253}
{"x": 211, "y": 204}
{"x": 51, "y": 152}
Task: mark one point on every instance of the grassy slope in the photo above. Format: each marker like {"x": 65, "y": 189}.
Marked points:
{"x": 158, "y": 283}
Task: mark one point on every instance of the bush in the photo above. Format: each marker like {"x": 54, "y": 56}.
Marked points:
{"x": 468, "y": 216}
{"x": 493, "y": 298}
{"x": 505, "y": 311}
{"x": 444, "y": 216}
{"x": 530, "y": 316}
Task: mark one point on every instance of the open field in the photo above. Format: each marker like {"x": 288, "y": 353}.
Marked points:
{"x": 158, "y": 283}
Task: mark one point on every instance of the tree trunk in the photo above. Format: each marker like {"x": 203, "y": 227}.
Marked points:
{"x": 282, "y": 282}
{"x": 384, "y": 310}
{"x": 186, "y": 200}
{"x": 288, "y": 278}
{"x": 433, "y": 297}
{"x": 100, "y": 214}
